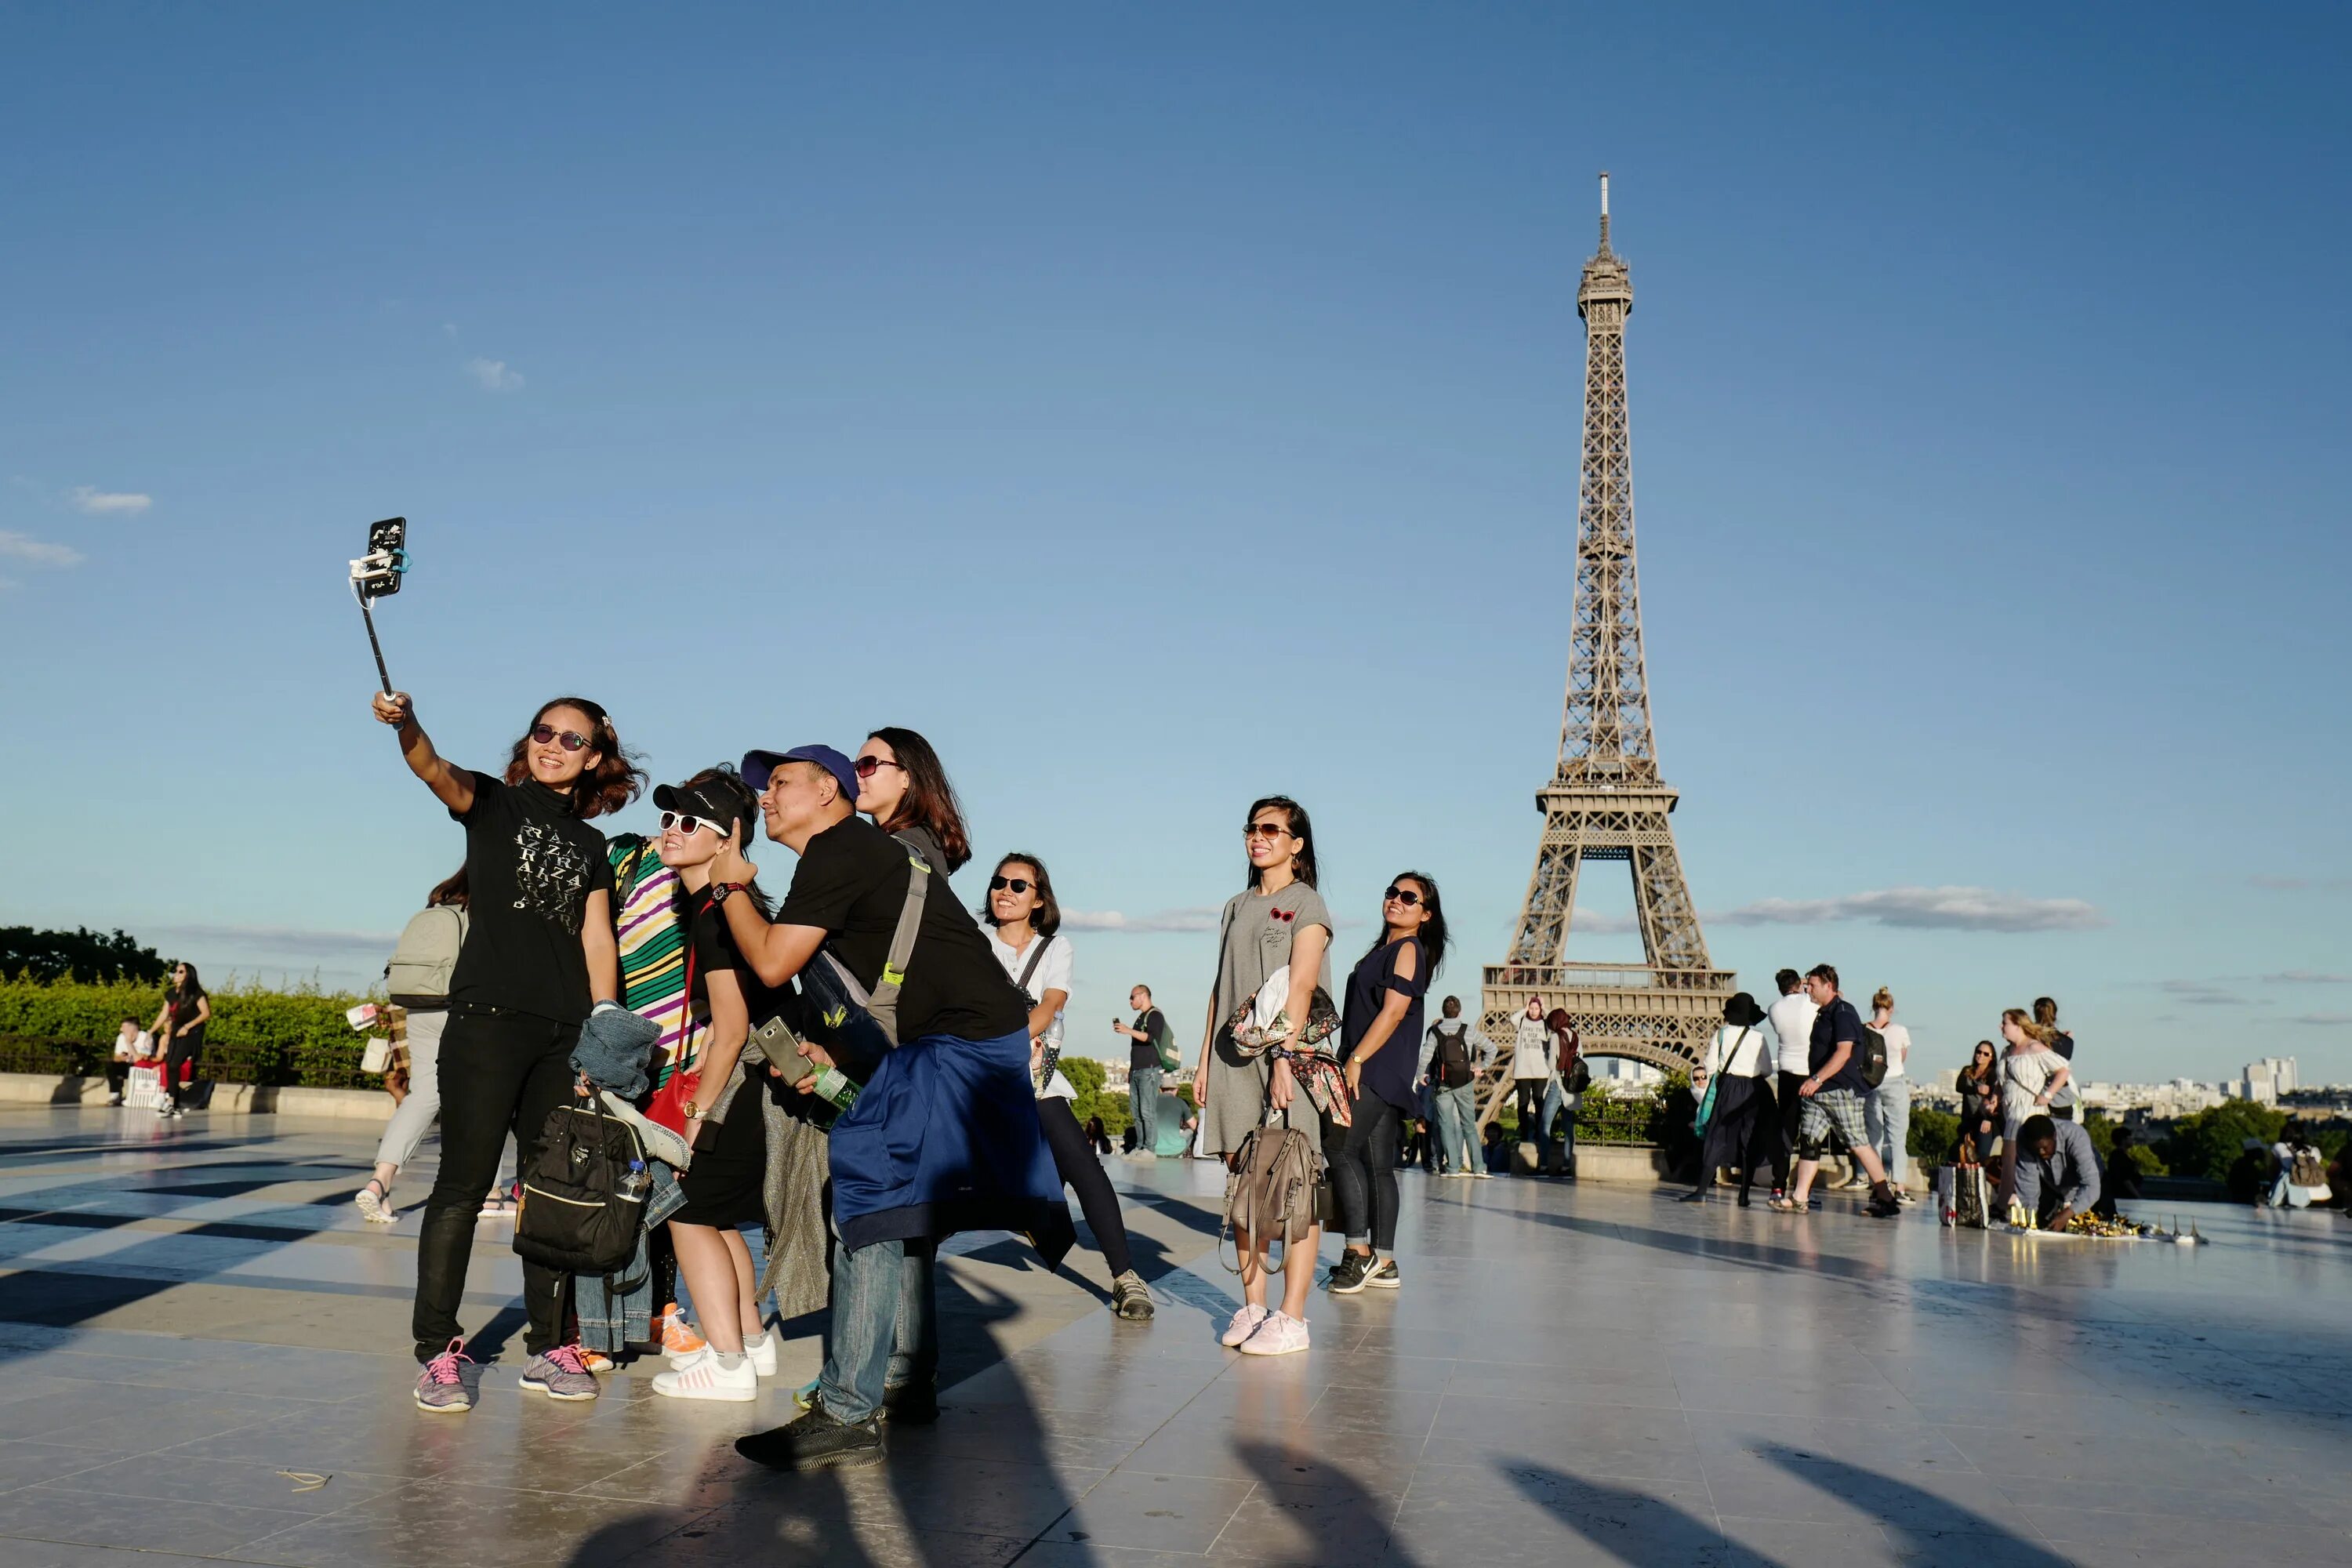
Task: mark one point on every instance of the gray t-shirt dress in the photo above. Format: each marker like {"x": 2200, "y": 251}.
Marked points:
{"x": 1254, "y": 938}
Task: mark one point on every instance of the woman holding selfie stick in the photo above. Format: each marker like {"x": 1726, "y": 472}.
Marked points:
{"x": 539, "y": 956}
{"x": 1023, "y": 923}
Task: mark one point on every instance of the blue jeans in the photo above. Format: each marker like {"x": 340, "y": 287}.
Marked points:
{"x": 1143, "y": 1102}
{"x": 1556, "y": 1106}
{"x": 884, "y": 1297}
{"x": 1457, "y": 1127}
{"x": 1887, "y": 1116}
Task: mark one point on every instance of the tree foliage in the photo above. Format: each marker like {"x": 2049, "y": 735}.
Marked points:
{"x": 2207, "y": 1142}
{"x": 256, "y": 1036}
{"x": 79, "y": 955}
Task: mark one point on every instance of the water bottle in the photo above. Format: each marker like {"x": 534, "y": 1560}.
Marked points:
{"x": 634, "y": 1181}
{"x": 834, "y": 1087}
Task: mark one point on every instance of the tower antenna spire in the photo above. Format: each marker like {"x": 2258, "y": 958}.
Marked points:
{"x": 1605, "y": 212}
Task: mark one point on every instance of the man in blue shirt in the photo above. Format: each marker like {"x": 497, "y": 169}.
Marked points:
{"x": 1833, "y": 1094}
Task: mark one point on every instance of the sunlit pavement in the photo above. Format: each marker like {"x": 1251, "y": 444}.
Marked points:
{"x": 194, "y": 1324}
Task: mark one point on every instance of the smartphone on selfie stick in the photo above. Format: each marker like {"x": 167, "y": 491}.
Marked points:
{"x": 376, "y": 574}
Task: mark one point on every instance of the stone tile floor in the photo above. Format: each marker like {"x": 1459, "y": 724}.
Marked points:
{"x": 1572, "y": 1374}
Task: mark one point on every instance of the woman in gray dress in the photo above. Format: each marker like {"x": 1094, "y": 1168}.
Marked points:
{"x": 1279, "y": 921}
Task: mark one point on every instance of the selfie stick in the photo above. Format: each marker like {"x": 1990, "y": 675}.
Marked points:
{"x": 376, "y": 574}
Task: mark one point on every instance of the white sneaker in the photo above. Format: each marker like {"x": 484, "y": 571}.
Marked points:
{"x": 1245, "y": 1324}
{"x": 704, "y": 1378}
{"x": 763, "y": 1359}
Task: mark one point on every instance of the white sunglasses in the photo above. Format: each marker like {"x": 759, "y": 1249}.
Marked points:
{"x": 685, "y": 822}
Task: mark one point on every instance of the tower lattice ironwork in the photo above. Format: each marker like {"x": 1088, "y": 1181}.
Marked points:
{"x": 1606, "y": 800}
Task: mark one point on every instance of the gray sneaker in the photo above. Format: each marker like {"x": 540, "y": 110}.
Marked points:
{"x": 1130, "y": 1298}
{"x": 561, "y": 1374}
{"x": 441, "y": 1388}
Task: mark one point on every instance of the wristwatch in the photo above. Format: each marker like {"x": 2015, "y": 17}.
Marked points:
{"x": 693, "y": 1111}
{"x": 720, "y": 890}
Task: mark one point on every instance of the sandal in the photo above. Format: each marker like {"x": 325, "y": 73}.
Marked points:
{"x": 1784, "y": 1205}
{"x": 375, "y": 1203}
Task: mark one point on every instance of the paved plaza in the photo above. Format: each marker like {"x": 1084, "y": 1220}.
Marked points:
{"x": 195, "y": 1326}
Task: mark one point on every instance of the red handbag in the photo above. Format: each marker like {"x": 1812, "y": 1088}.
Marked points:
{"x": 683, "y": 1086}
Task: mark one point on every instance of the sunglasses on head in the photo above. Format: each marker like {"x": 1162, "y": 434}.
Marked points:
{"x": 573, "y": 742}
{"x": 868, "y": 766}
{"x": 1015, "y": 884}
{"x": 687, "y": 822}
{"x": 1404, "y": 896}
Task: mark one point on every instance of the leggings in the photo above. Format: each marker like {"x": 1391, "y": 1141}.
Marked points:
{"x": 1531, "y": 1092}
{"x": 1362, "y": 1158}
{"x": 1073, "y": 1158}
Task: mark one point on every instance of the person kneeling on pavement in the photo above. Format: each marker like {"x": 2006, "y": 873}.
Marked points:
{"x": 2057, "y": 1171}
{"x": 944, "y": 1135}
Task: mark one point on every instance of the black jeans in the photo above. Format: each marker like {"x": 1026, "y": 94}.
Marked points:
{"x": 117, "y": 1074}
{"x": 501, "y": 1072}
{"x": 1363, "y": 1160}
{"x": 1075, "y": 1161}
{"x": 182, "y": 1052}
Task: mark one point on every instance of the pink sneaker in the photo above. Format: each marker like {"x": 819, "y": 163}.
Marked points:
{"x": 1280, "y": 1334}
{"x": 1243, "y": 1325}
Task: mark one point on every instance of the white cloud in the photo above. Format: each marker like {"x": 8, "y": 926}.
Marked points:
{"x": 96, "y": 502}
{"x": 1192, "y": 920}
{"x": 494, "y": 375}
{"x": 1586, "y": 923}
{"x": 1922, "y": 908}
{"x": 2306, "y": 977}
{"x": 37, "y": 551}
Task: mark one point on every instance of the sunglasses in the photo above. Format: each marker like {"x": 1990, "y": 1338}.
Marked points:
{"x": 868, "y": 766}
{"x": 543, "y": 734}
{"x": 1264, "y": 830}
{"x": 687, "y": 822}
{"x": 1404, "y": 896}
{"x": 1015, "y": 884}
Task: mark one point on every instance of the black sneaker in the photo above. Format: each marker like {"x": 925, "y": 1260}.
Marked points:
{"x": 816, "y": 1441}
{"x": 1349, "y": 1277}
{"x": 911, "y": 1405}
{"x": 1383, "y": 1276}
{"x": 1881, "y": 1204}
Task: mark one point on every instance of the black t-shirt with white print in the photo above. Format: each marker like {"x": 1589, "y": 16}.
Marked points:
{"x": 851, "y": 883}
{"x": 531, "y": 865}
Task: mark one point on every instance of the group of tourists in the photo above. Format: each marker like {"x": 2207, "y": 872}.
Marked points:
{"x": 2017, "y": 1106}
{"x": 168, "y": 1049}
{"x": 861, "y": 1069}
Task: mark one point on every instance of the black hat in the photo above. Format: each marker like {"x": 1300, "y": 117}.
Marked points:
{"x": 707, "y": 800}
{"x": 1742, "y": 1012}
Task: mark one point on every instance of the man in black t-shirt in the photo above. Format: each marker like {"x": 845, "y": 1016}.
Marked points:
{"x": 1143, "y": 1071}
{"x": 944, "y": 1135}
{"x": 1833, "y": 1095}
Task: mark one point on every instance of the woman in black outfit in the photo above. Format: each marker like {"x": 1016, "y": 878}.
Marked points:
{"x": 1380, "y": 1041}
{"x": 1979, "y": 1088}
{"x": 1744, "y": 1127}
{"x": 539, "y": 956}
{"x": 180, "y": 1028}
{"x": 725, "y": 1184}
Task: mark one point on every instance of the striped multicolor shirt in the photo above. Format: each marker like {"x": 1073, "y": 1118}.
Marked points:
{"x": 653, "y": 945}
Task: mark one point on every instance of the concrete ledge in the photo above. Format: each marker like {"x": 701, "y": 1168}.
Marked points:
{"x": 228, "y": 1098}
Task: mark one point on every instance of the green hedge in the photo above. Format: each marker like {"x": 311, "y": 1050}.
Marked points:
{"x": 274, "y": 1038}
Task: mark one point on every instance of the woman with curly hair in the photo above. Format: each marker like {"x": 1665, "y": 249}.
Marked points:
{"x": 539, "y": 956}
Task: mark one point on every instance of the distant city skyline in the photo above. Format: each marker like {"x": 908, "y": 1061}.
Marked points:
{"x": 1158, "y": 410}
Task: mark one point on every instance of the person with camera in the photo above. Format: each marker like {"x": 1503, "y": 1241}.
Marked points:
{"x": 1024, "y": 922}
{"x": 1277, "y": 924}
{"x": 943, "y": 1137}
{"x": 1145, "y": 1070}
{"x": 539, "y": 956}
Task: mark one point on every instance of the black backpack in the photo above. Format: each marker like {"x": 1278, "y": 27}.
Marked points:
{"x": 575, "y": 1217}
{"x": 1870, "y": 1057}
{"x": 1454, "y": 1056}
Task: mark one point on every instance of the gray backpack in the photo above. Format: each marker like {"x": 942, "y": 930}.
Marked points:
{"x": 425, "y": 958}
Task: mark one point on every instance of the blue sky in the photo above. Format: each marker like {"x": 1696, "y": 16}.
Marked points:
{"x": 1162, "y": 407}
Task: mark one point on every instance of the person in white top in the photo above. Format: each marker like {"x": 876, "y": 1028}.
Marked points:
{"x": 1887, "y": 1113}
{"x": 1531, "y": 1070}
{"x": 1023, "y": 923}
{"x": 1742, "y": 1124}
{"x": 133, "y": 1047}
{"x": 2031, "y": 1074}
{"x": 1793, "y": 1032}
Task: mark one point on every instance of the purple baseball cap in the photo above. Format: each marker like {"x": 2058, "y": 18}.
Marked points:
{"x": 759, "y": 765}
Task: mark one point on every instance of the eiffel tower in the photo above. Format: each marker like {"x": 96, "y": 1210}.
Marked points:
{"x": 1606, "y": 801}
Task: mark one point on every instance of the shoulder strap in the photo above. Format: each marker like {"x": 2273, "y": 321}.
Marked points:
{"x": 1029, "y": 970}
{"x": 884, "y": 1004}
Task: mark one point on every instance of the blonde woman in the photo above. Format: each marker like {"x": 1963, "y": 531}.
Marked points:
{"x": 1887, "y": 1113}
{"x": 2031, "y": 1074}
